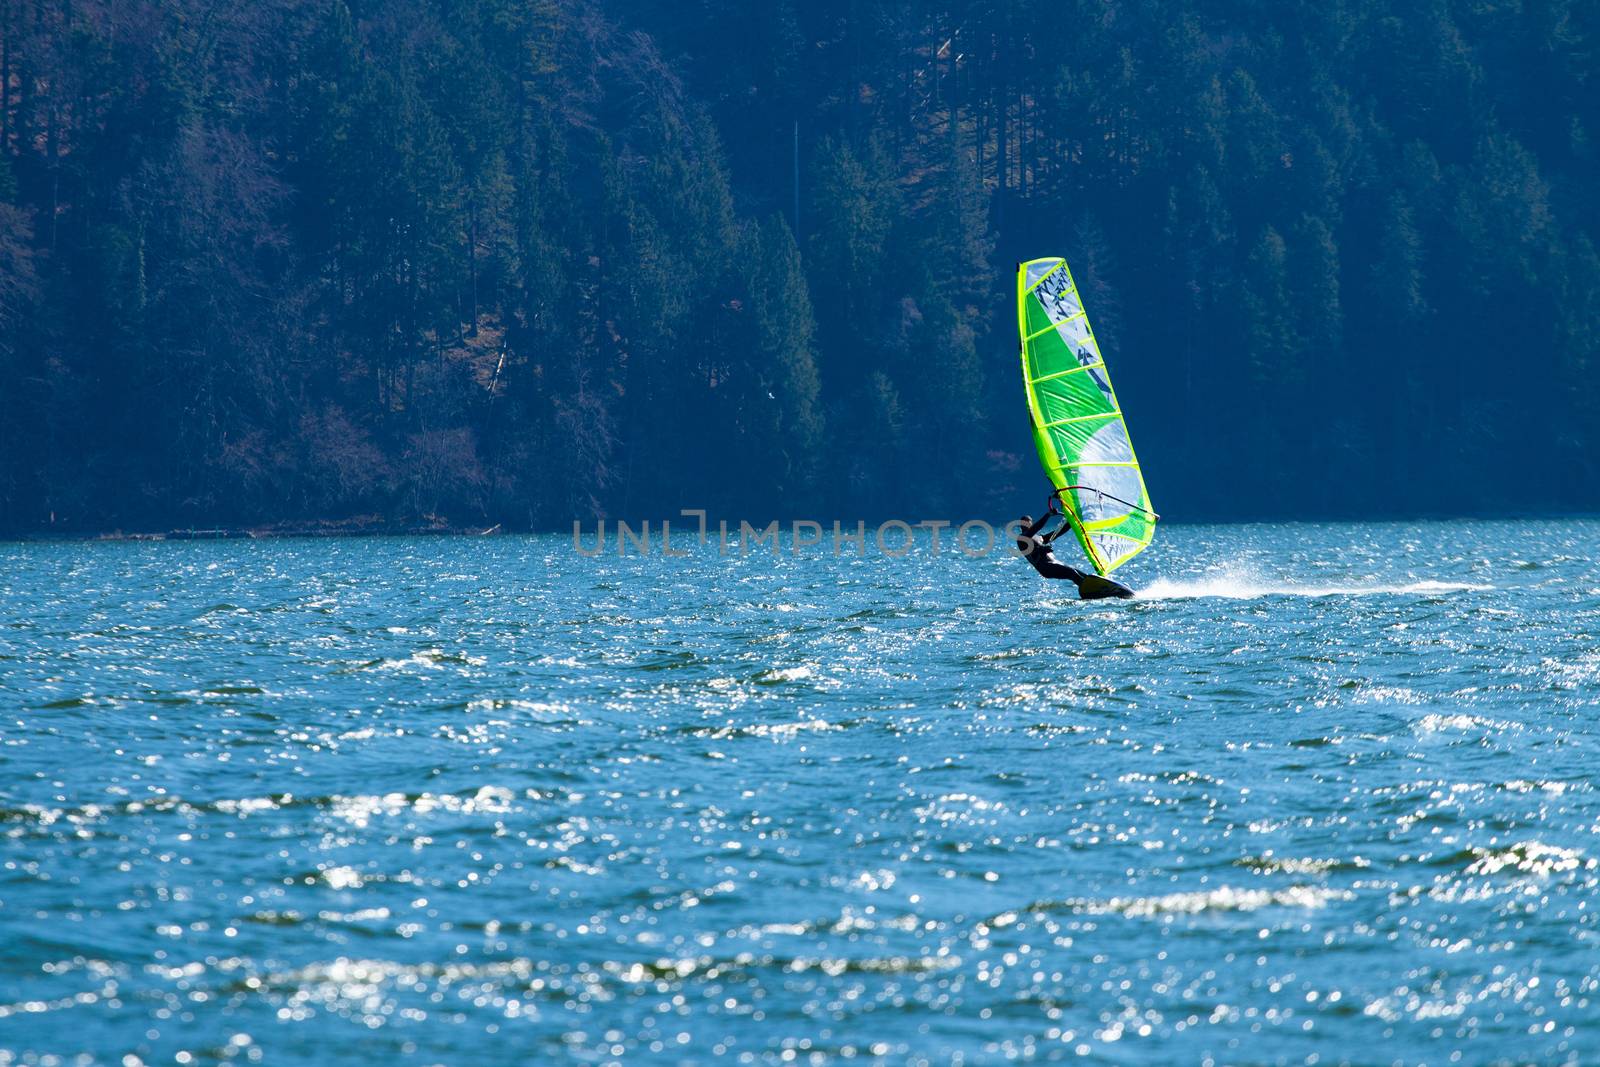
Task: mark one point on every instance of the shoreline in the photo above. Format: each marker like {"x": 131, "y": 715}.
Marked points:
{"x": 374, "y": 528}
{"x": 259, "y": 533}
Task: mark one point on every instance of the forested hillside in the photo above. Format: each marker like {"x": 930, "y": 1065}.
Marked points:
{"x": 522, "y": 261}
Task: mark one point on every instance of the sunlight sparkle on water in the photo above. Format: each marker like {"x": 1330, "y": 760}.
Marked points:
{"x": 1320, "y": 788}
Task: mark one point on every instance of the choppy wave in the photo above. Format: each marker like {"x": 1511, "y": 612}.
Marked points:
{"x": 417, "y": 798}
{"x": 1220, "y": 899}
{"x": 1529, "y": 857}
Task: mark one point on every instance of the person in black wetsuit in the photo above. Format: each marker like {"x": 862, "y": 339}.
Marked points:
{"x": 1035, "y": 548}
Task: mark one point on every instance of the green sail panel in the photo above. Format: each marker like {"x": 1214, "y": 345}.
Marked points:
{"x": 1078, "y": 426}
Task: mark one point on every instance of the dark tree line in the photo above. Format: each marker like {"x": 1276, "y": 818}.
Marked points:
{"x": 521, "y": 261}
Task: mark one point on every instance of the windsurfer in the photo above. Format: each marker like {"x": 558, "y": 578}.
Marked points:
{"x": 1035, "y": 548}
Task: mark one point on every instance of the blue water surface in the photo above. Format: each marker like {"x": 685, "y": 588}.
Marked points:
{"x": 1324, "y": 794}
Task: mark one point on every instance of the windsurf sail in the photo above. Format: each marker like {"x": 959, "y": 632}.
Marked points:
{"x": 1077, "y": 423}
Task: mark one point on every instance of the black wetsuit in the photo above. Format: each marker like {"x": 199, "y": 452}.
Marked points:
{"x": 1036, "y": 550}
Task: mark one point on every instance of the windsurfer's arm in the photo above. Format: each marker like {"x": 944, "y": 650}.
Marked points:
{"x": 1053, "y": 510}
{"x": 1038, "y": 524}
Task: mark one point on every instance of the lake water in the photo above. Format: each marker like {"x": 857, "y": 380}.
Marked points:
{"x": 1324, "y": 793}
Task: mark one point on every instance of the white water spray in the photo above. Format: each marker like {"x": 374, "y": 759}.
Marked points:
{"x": 1234, "y": 584}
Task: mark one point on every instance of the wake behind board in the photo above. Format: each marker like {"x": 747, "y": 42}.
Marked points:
{"x": 1078, "y": 427}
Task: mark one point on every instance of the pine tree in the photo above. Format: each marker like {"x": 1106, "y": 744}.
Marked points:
{"x": 783, "y": 361}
